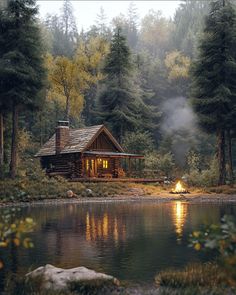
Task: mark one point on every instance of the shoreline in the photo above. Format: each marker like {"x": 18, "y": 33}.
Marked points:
{"x": 162, "y": 198}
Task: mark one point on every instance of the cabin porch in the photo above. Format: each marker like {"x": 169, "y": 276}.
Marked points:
{"x": 109, "y": 165}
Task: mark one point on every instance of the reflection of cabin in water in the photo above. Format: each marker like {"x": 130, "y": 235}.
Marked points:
{"x": 89, "y": 152}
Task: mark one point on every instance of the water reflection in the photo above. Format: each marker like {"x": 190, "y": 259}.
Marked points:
{"x": 132, "y": 241}
{"x": 104, "y": 227}
{"x": 179, "y": 217}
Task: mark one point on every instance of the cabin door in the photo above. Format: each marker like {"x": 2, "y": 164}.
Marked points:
{"x": 91, "y": 167}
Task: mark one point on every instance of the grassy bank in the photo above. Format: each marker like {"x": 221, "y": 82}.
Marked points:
{"x": 155, "y": 189}
{"x": 196, "y": 279}
{"x": 26, "y": 189}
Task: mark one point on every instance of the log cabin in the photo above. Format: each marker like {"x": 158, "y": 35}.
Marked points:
{"x": 89, "y": 152}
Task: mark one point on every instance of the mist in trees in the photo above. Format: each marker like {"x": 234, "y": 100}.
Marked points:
{"x": 133, "y": 74}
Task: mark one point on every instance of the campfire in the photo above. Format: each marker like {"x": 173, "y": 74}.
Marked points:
{"x": 179, "y": 189}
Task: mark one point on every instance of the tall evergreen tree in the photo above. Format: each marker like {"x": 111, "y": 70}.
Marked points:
{"x": 21, "y": 64}
{"x": 63, "y": 31}
{"x": 118, "y": 103}
{"x": 188, "y": 21}
{"x": 214, "y": 76}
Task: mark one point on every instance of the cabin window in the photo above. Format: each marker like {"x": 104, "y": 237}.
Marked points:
{"x": 87, "y": 165}
{"x": 105, "y": 164}
{"x": 92, "y": 164}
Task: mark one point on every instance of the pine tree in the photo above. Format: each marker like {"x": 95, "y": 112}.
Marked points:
{"x": 118, "y": 102}
{"x": 214, "y": 76}
{"x": 101, "y": 21}
{"x": 132, "y": 34}
{"x": 188, "y": 22}
{"x": 21, "y": 64}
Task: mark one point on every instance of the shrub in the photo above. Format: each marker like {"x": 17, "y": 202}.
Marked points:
{"x": 138, "y": 142}
{"x": 204, "y": 178}
{"x": 163, "y": 164}
{"x": 13, "y": 231}
{"x": 222, "y": 239}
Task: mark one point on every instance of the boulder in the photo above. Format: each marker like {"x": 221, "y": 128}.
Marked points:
{"x": 70, "y": 194}
{"x": 59, "y": 279}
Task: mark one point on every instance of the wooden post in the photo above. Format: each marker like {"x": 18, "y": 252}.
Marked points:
{"x": 129, "y": 166}
{"x": 139, "y": 168}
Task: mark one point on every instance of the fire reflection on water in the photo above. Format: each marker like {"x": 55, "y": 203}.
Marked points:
{"x": 179, "y": 215}
{"x": 103, "y": 227}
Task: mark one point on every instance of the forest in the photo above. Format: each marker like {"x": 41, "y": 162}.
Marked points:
{"x": 165, "y": 87}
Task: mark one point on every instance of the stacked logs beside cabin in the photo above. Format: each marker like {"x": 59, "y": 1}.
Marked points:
{"x": 89, "y": 152}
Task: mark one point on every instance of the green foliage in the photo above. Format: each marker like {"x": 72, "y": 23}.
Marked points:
{"x": 13, "y": 230}
{"x": 33, "y": 184}
{"x": 118, "y": 104}
{"x": 18, "y": 21}
{"x": 62, "y": 31}
{"x": 138, "y": 142}
{"x": 214, "y": 71}
{"x": 222, "y": 239}
{"x": 203, "y": 178}
{"x": 162, "y": 164}
{"x": 188, "y": 23}
{"x": 193, "y": 161}
{"x": 155, "y": 33}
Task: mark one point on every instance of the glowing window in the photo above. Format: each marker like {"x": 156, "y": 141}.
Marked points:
{"x": 105, "y": 164}
{"x": 92, "y": 164}
{"x": 87, "y": 165}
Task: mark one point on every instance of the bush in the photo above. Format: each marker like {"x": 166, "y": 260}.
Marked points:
{"x": 163, "y": 164}
{"x": 138, "y": 142}
{"x": 204, "y": 178}
{"x": 221, "y": 239}
{"x": 13, "y": 231}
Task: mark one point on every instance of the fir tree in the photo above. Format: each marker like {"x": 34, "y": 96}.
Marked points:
{"x": 21, "y": 64}
{"x": 214, "y": 76}
{"x": 118, "y": 102}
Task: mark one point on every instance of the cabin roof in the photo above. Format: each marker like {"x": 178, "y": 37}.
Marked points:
{"x": 113, "y": 154}
{"x": 79, "y": 141}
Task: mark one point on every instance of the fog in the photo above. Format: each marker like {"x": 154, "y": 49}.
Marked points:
{"x": 179, "y": 122}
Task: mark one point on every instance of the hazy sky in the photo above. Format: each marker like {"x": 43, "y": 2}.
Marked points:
{"x": 86, "y": 11}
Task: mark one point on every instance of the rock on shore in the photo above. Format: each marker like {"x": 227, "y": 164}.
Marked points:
{"x": 58, "y": 278}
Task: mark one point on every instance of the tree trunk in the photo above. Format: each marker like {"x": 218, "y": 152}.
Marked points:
{"x": 67, "y": 109}
{"x": 221, "y": 155}
{"x": 229, "y": 150}
{"x": 14, "y": 142}
{"x": 1, "y": 145}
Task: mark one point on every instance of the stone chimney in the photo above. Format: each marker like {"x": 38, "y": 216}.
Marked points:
{"x": 62, "y": 135}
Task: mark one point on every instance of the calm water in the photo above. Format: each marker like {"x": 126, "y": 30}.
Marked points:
{"x": 132, "y": 241}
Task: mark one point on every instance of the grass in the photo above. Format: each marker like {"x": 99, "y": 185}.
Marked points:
{"x": 16, "y": 285}
{"x": 26, "y": 189}
{"x": 194, "y": 275}
{"x": 195, "y": 279}
{"x": 160, "y": 189}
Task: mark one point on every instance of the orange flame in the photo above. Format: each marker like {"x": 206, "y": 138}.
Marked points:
{"x": 179, "y": 188}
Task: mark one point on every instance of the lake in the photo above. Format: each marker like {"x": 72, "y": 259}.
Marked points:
{"x": 131, "y": 240}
